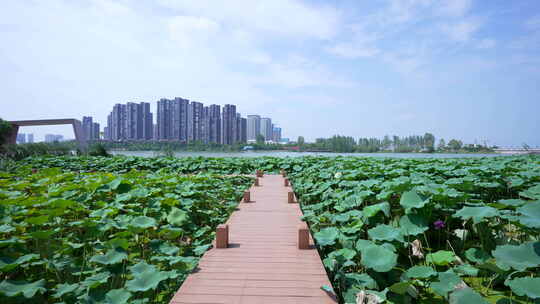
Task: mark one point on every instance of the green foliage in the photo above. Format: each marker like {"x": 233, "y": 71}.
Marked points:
{"x": 97, "y": 149}
{"x": 21, "y": 151}
{"x": 106, "y": 237}
{"x": 402, "y": 230}
{"x": 5, "y": 130}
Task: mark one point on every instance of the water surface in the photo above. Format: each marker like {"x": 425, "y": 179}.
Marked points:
{"x": 299, "y": 154}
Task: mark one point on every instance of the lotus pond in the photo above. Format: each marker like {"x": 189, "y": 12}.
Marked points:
{"x": 106, "y": 238}
{"x": 111, "y": 230}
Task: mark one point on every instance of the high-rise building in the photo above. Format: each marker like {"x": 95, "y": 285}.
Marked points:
{"x": 147, "y": 128}
{"x": 179, "y": 119}
{"x": 276, "y": 136}
{"x": 266, "y": 128}
{"x": 228, "y": 124}
{"x": 118, "y": 123}
{"x": 172, "y": 119}
{"x": 95, "y": 131}
{"x": 243, "y": 130}
{"x": 164, "y": 130}
{"x": 131, "y": 121}
{"x": 87, "y": 126}
{"x": 195, "y": 121}
{"x": 213, "y": 117}
{"x": 21, "y": 138}
{"x": 253, "y": 127}
{"x": 53, "y": 138}
{"x": 30, "y": 138}
{"x": 90, "y": 129}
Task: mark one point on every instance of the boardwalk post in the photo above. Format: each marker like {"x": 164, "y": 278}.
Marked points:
{"x": 247, "y": 197}
{"x": 286, "y": 182}
{"x": 303, "y": 236}
{"x": 257, "y": 181}
{"x": 260, "y": 173}
{"x": 222, "y": 236}
{"x": 290, "y": 197}
{"x": 267, "y": 247}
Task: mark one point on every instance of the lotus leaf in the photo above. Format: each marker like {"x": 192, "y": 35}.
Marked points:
{"x": 385, "y": 233}
{"x": 177, "y": 217}
{"x": 441, "y": 257}
{"x": 378, "y": 258}
{"x": 477, "y": 255}
{"x": 327, "y": 236}
{"x": 113, "y": 256}
{"x": 530, "y": 214}
{"x": 28, "y": 290}
{"x": 532, "y": 193}
{"x": 447, "y": 281}
{"x": 62, "y": 289}
{"x": 413, "y": 224}
{"x": 411, "y": 200}
{"x": 512, "y": 202}
{"x": 372, "y": 210}
{"x": 96, "y": 280}
{"x": 476, "y": 213}
{"x": 117, "y": 296}
{"x": 466, "y": 296}
{"x": 421, "y": 272}
{"x": 467, "y": 270}
{"x": 146, "y": 280}
{"x": 361, "y": 280}
{"x": 518, "y": 257}
{"x": 8, "y": 264}
{"x": 143, "y": 222}
{"x": 526, "y": 286}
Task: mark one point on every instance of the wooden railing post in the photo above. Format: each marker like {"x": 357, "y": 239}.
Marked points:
{"x": 303, "y": 236}
{"x": 290, "y": 197}
{"x": 257, "y": 181}
{"x": 259, "y": 173}
{"x": 247, "y": 197}
{"x": 286, "y": 182}
{"x": 222, "y": 236}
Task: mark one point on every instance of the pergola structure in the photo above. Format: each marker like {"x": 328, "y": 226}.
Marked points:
{"x": 77, "y": 128}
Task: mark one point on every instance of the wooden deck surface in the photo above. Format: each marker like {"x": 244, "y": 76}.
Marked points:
{"x": 263, "y": 263}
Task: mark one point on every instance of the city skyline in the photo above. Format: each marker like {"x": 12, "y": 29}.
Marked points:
{"x": 178, "y": 119}
{"x": 463, "y": 69}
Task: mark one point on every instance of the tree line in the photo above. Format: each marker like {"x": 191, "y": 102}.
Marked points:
{"x": 407, "y": 144}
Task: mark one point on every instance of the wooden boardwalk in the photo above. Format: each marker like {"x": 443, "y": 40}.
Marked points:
{"x": 262, "y": 263}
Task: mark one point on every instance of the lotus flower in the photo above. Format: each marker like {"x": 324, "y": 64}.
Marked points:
{"x": 439, "y": 224}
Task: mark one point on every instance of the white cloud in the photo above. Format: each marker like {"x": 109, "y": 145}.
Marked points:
{"x": 461, "y": 31}
{"x": 533, "y": 23}
{"x": 455, "y": 8}
{"x": 278, "y": 17}
{"x": 352, "y": 51}
{"x": 486, "y": 43}
{"x": 188, "y": 30}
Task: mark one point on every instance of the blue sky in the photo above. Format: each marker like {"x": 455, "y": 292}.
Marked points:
{"x": 466, "y": 69}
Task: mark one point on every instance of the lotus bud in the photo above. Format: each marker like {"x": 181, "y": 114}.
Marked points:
{"x": 364, "y": 298}
{"x": 417, "y": 250}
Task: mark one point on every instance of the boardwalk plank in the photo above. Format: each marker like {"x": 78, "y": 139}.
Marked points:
{"x": 263, "y": 263}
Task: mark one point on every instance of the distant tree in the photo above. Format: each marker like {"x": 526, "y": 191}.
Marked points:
{"x": 260, "y": 139}
{"x": 5, "y": 128}
{"x": 386, "y": 143}
{"x": 429, "y": 142}
{"x": 442, "y": 145}
{"x": 300, "y": 140}
{"x": 526, "y": 147}
{"x": 455, "y": 144}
